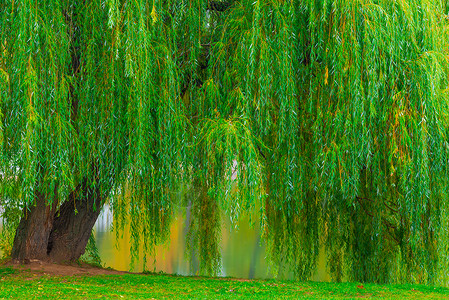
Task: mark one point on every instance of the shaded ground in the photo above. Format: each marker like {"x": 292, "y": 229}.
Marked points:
{"x": 48, "y": 281}
{"x": 43, "y": 268}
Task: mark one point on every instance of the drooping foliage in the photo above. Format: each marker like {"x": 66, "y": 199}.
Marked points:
{"x": 327, "y": 119}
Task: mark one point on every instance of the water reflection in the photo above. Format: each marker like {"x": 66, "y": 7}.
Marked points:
{"x": 243, "y": 253}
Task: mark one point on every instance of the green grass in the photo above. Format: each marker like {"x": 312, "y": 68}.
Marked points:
{"x": 26, "y": 285}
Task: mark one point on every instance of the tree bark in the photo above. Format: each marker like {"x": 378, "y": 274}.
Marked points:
{"x": 73, "y": 224}
{"x": 58, "y": 236}
{"x": 32, "y": 234}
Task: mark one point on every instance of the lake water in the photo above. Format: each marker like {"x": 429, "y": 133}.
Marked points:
{"x": 243, "y": 253}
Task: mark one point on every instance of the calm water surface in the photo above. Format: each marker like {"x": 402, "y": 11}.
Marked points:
{"x": 243, "y": 253}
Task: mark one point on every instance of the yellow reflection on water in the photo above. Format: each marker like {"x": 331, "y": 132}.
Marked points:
{"x": 243, "y": 253}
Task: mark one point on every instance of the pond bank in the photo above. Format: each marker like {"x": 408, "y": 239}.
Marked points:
{"x": 46, "y": 281}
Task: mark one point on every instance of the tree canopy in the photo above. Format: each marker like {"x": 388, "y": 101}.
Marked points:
{"x": 326, "y": 119}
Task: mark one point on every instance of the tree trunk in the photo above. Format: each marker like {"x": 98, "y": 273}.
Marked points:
{"x": 73, "y": 225}
{"x": 57, "y": 236}
{"x": 32, "y": 234}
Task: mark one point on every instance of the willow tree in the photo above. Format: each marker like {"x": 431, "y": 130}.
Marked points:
{"x": 327, "y": 120}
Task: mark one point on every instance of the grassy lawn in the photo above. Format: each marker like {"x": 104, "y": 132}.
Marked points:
{"x": 25, "y": 284}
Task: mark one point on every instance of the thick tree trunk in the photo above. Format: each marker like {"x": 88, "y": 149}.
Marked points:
{"x": 73, "y": 225}
{"x": 57, "y": 236}
{"x": 32, "y": 234}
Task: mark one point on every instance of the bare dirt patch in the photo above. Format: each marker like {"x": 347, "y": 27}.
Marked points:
{"x": 38, "y": 268}
{"x": 45, "y": 268}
